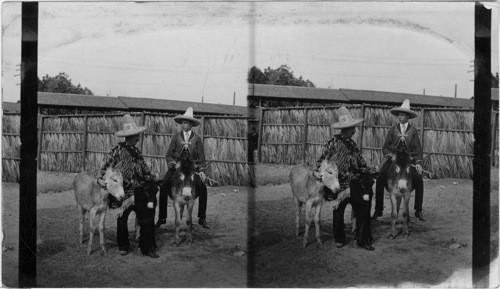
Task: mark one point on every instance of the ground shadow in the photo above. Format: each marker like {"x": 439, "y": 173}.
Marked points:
{"x": 277, "y": 258}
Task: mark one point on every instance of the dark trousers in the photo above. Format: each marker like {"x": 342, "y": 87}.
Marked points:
{"x": 145, "y": 219}
{"x": 201, "y": 190}
{"x": 361, "y": 211}
{"x": 122, "y": 230}
{"x": 417, "y": 181}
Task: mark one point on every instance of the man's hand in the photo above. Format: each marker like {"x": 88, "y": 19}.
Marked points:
{"x": 101, "y": 183}
{"x": 203, "y": 176}
{"x": 419, "y": 169}
{"x": 150, "y": 205}
{"x": 177, "y": 165}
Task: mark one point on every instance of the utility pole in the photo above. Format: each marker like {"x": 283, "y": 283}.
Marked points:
{"x": 424, "y": 91}
{"x": 234, "y": 98}
{"x": 455, "y": 90}
{"x": 202, "y": 99}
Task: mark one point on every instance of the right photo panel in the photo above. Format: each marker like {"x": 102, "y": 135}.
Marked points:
{"x": 363, "y": 144}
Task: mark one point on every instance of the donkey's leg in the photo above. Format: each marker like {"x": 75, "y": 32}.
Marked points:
{"x": 297, "y": 216}
{"x": 394, "y": 216}
{"x": 398, "y": 207}
{"x": 353, "y": 221}
{"x": 308, "y": 221}
{"x": 102, "y": 218}
{"x": 406, "y": 215}
{"x": 92, "y": 218}
{"x": 189, "y": 222}
{"x": 177, "y": 209}
{"x": 317, "y": 222}
{"x": 137, "y": 229}
{"x": 82, "y": 212}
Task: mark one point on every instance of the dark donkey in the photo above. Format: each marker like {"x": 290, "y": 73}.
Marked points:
{"x": 183, "y": 193}
{"x": 399, "y": 185}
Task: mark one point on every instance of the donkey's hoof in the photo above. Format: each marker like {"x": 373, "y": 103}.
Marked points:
{"x": 189, "y": 243}
{"x": 175, "y": 243}
{"x": 391, "y": 236}
{"x": 319, "y": 245}
{"x": 406, "y": 234}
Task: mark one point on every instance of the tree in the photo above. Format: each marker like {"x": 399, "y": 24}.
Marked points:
{"x": 282, "y": 75}
{"x": 61, "y": 83}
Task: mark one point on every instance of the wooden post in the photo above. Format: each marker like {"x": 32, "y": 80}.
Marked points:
{"x": 422, "y": 112}
{"x": 304, "y": 140}
{"x": 85, "y": 137}
{"x": 362, "y": 128}
{"x": 261, "y": 122}
{"x": 494, "y": 123}
{"x": 142, "y": 134}
{"x": 202, "y": 133}
{"x": 40, "y": 136}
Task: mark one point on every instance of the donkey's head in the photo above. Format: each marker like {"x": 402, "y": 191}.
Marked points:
{"x": 113, "y": 181}
{"x": 183, "y": 179}
{"x": 399, "y": 172}
{"x": 329, "y": 172}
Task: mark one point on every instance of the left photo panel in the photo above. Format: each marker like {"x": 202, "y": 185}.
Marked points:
{"x": 144, "y": 155}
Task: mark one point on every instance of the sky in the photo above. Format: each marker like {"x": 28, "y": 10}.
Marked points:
{"x": 194, "y": 50}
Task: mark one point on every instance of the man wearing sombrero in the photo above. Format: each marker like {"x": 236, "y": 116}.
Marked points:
{"x": 402, "y": 135}
{"x": 127, "y": 158}
{"x": 353, "y": 173}
{"x": 183, "y": 144}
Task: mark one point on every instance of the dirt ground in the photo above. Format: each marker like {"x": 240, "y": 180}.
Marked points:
{"x": 428, "y": 258}
{"x": 274, "y": 258}
{"x": 216, "y": 259}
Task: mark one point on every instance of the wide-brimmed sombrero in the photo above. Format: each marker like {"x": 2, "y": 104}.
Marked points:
{"x": 405, "y": 107}
{"x": 129, "y": 127}
{"x": 188, "y": 115}
{"x": 345, "y": 119}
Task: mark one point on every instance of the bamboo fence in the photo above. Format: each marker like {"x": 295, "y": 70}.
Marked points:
{"x": 74, "y": 143}
{"x": 295, "y": 135}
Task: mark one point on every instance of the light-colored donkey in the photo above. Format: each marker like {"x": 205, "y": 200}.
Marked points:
{"x": 309, "y": 190}
{"x": 91, "y": 197}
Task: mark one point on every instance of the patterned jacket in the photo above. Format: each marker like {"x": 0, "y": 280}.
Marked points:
{"x": 409, "y": 139}
{"x": 345, "y": 153}
{"x": 129, "y": 161}
{"x": 194, "y": 147}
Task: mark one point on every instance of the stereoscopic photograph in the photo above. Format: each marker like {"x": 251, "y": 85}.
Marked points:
{"x": 250, "y": 144}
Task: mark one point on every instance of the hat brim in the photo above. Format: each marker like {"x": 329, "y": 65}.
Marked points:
{"x": 178, "y": 119}
{"x": 123, "y": 133}
{"x": 354, "y": 122}
{"x": 397, "y": 110}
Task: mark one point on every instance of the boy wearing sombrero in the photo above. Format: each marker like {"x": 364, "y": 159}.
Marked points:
{"x": 183, "y": 144}
{"x": 127, "y": 158}
{"x": 353, "y": 173}
{"x": 402, "y": 135}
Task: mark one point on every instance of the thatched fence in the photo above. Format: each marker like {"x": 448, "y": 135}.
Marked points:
{"x": 74, "y": 143}
{"x": 11, "y": 146}
{"x": 297, "y": 135}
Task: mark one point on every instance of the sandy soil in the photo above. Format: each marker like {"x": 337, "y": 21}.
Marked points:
{"x": 62, "y": 262}
{"x": 275, "y": 257}
{"x": 425, "y": 259}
